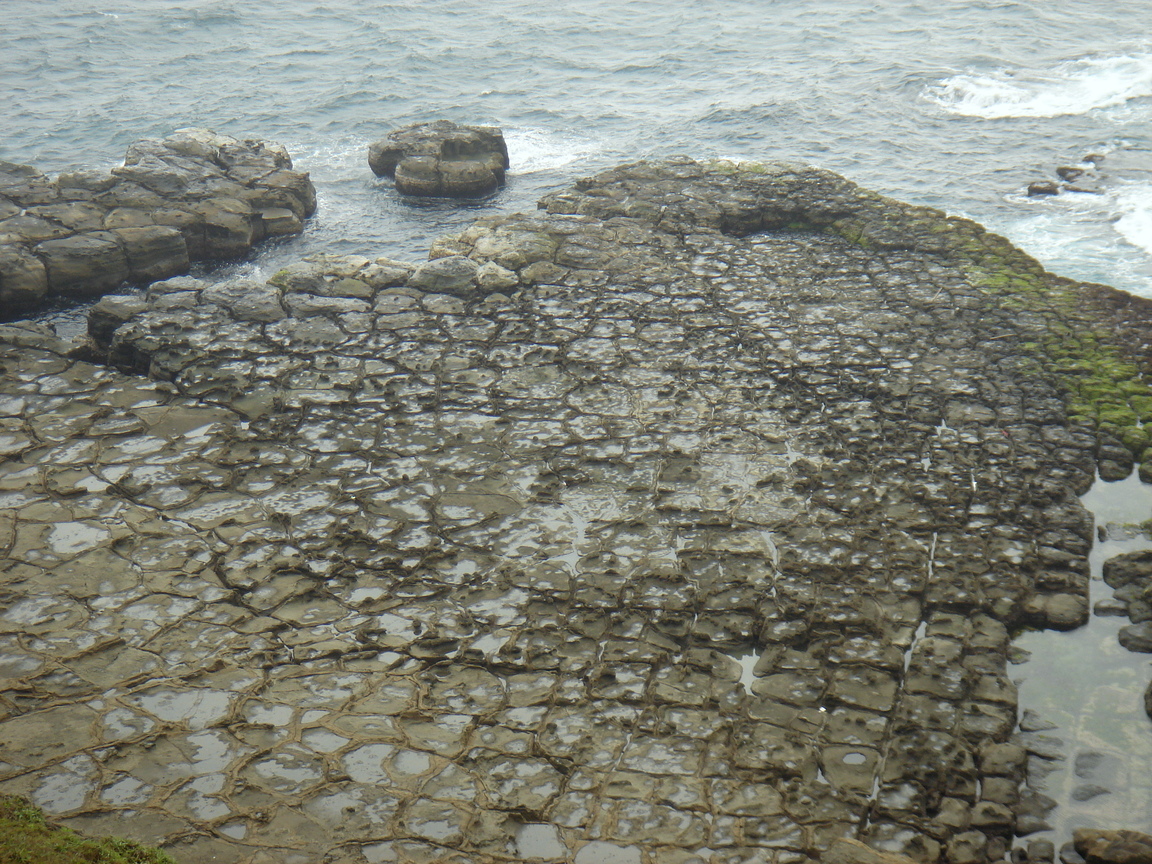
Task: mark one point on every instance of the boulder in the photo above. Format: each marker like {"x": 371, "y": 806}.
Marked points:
{"x": 442, "y": 159}
{"x": 1148, "y": 701}
{"x": 230, "y": 228}
{"x": 1113, "y": 847}
{"x": 110, "y": 312}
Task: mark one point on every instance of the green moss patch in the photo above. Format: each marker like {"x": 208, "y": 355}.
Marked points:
{"x": 27, "y": 838}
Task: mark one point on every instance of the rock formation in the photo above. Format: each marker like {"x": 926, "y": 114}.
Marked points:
{"x": 1130, "y": 575}
{"x": 1113, "y": 847}
{"x": 685, "y": 520}
{"x": 194, "y": 196}
{"x": 442, "y": 159}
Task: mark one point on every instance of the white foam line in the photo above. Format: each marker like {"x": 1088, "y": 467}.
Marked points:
{"x": 1072, "y": 87}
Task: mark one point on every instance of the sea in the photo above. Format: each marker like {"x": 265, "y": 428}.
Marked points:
{"x": 955, "y": 104}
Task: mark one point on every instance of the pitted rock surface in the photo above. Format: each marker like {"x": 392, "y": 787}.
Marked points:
{"x": 681, "y": 546}
{"x": 442, "y": 159}
{"x": 194, "y": 196}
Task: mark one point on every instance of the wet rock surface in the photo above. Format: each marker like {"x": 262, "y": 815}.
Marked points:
{"x": 194, "y": 196}
{"x": 442, "y": 159}
{"x": 685, "y": 521}
{"x": 1113, "y": 847}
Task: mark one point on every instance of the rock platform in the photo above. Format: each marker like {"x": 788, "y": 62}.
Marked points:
{"x": 685, "y": 521}
{"x": 194, "y": 196}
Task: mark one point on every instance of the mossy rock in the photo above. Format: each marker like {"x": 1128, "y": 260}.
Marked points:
{"x": 1134, "y": 438}
{"x": 1116, "y": 416}
{"x": 26, "y": 837}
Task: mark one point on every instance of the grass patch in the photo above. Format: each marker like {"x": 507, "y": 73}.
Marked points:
{"x": 26, "y": 837}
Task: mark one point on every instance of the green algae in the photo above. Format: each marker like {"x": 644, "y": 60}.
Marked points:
{"x": 26, "y": 837}
{"x": 1104, "y": 387}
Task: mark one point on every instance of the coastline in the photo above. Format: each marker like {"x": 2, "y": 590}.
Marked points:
{"x": 425, "y": 568}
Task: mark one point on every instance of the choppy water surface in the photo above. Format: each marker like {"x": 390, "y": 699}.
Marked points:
{"x": 958, "y": 111}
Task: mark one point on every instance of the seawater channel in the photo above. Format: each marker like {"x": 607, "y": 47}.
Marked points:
{"x": 1084, "y": 691}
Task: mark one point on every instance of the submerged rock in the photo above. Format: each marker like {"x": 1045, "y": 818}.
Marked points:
{"x": 442, "y": 159}
{"x": 194, "y": 196}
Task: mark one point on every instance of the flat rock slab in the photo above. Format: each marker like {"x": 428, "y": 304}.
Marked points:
{"x": 442, "y": 159}
{"x": 194, "y": 196}
{"x": 663, "y": 551}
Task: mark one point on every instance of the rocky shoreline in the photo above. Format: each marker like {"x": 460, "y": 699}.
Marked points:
{"x": 194, "y": 196}
{"x": 688, "y": 519}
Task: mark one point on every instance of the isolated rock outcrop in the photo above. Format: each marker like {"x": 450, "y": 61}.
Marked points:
{"x": 442, "y": 159}
{"x": 194, "y": 196}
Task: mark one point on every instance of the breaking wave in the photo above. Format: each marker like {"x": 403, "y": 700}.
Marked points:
{"x": 1135, "y": 222}
{"x": 1073, "y": 87}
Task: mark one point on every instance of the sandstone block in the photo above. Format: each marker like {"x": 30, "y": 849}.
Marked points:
{"x": 1137, "y": 637}
{"x": 84, "y": 264}
{"x": 280, "y": 222}
{"x": 230, "y": 228}
{"x": 153, "y": 252}
{"x": 23, "y": 279}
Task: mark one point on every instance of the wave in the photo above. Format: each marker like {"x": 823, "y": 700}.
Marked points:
{"x": 1135, "y": 223}
{"x": 1072, "y": 87}
{"x": 533, "y": 149}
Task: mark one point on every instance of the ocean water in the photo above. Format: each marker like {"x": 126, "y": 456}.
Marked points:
{"x": 956, "y": 105}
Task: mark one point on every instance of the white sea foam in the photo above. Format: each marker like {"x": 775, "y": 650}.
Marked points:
{"x": 1135, "y": 223}
{"x": 533, "y": 149}
{"x": 1073, "y": 87}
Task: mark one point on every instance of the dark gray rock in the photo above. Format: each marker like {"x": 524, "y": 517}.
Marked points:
{"x": 1122, "y": 570}
{"x": 442, "y": 159}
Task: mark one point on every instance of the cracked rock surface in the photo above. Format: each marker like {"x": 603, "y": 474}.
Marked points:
{"x": 658, "y": 527}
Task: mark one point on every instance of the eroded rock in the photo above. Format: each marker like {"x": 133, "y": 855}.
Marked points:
{"x": 442, "y": 159}
{"x": 194, "y": 196}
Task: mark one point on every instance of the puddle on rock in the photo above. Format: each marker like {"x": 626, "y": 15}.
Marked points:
{"x": 1085, "y": 690}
